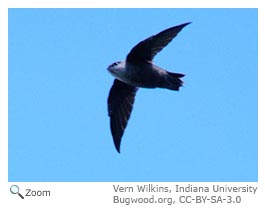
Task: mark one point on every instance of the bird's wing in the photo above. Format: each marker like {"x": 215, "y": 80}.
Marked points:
{"x": 148, "y": 48}
{"x": 120, "y": 103}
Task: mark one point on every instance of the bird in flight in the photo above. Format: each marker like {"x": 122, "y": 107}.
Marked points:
{"x": 138, "y": 71}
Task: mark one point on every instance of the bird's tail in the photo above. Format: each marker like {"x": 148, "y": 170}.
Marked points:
{"x": 173, "y": 81}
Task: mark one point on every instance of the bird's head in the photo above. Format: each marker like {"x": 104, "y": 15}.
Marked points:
{"x": 117, "y": 69}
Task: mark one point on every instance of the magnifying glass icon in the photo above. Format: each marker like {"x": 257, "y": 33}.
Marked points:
{"x": 15, "y": 190}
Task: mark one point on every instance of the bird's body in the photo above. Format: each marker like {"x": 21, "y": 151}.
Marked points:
{"x": 138, "y": 71}
{"x": 145, "y": 75}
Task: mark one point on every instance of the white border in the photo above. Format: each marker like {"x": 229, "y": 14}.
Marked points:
{"x": 100, "y": 194}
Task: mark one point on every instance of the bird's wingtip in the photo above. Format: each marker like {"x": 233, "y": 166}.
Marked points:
{"x": 187, "y": 23}
{"x": 117, "y": 148}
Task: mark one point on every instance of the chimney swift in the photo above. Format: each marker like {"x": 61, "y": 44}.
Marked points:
{"x": 138, "y": 71}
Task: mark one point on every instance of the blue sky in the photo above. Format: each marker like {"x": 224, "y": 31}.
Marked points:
{"x": 58, "y": 87}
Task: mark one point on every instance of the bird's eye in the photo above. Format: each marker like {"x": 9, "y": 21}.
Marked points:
{"x": 114, "y": 64}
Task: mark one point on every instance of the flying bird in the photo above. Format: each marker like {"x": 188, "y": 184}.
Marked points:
{"x": 138, "y": 71}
